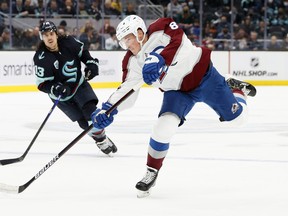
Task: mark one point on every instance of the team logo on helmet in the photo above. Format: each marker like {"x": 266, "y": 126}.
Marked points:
{"x": 47, "y": 26}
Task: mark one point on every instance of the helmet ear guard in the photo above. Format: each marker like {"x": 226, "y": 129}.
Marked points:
{"x": 47, "y": 26}
{"x": 129, "y": 25}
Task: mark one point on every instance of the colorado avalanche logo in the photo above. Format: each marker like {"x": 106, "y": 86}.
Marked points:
{"x": 234, "y": 108}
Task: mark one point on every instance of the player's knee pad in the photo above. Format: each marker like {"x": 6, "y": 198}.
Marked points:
{"x": 88, "y": 109}
{"x": 241, "y": 119}
{"x": 165, "y": 127}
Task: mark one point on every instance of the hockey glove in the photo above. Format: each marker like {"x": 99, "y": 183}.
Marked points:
{"x": 99, "y": 119}
{"x": 91, "y": 69}
{"x": 151, "y": 69}
{"x": 60, "y": 89}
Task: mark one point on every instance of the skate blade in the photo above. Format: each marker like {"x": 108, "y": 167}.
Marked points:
{"x": 143, "y": 194}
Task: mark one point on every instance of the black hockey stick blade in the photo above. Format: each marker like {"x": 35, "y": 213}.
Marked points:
{"x": 18, "y": 189}
{"x": 21, "y": 158}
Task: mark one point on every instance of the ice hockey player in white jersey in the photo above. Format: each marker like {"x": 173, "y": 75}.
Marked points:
{"x": 165, "y": 58}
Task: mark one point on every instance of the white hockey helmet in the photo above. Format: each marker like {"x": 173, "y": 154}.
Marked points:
{"x": 130, "y": 25}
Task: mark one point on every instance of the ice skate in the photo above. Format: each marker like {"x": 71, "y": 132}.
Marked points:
{"x": 106, "y": 145}
{"x": 246, "y": 88}
{"x": 103, "y": 142}
{"x": 148, "y": 181}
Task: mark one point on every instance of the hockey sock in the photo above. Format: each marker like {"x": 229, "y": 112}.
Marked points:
{"x": 163, "y": 132}
{"x": 240, "y": 96}
{"x": 97, "y": 134}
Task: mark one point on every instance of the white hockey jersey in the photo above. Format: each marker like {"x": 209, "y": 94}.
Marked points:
{"x": 186, "y": 63}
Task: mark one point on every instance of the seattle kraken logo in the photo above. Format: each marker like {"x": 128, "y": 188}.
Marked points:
{"x": 70, "y": 71}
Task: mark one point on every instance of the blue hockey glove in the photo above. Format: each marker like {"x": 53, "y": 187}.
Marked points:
{"x": 92, "y": 69}
{"x": 99, "y": 119}
{"x": 151, "y": 69}
{"x": 60, "y": 89}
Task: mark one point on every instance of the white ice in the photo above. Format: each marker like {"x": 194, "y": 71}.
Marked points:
{"x": 210, "y": 170}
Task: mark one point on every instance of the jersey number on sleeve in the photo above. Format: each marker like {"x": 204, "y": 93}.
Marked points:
{"x": 39, "y": 71}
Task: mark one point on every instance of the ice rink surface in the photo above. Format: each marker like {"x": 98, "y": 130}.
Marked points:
{"x": 210, "y": 170}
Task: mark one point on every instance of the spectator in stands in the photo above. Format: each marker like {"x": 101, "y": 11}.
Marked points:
{"x": 174, "y": 9}
{"x": 40, "y": 10}
{"x": 29, "y": 42}
{"x": 91, "y": 39}
{"x": 109, "y": 10}
{"x": 193, "y": 9}
{"x": 62, "y": 28}
{"x": 34, "y": 3}
{"x": 247, "y": 25}
{"x": 2, "y": 24}
{"x": 28, "y": 7}
{"x": 130, "y": 9}
{"x": 253, "y": 43}
{"x": 17, "y": 8}
{"x": 87, "y": 24}
{"x": 83, "y": 12}
{"x": 185, "y": 20}
{"x": 240, "y": 34}
{"x": 36, "y": 35}
{"x": 285, "y": 6}
{"x": 63, "y": 25}
{"x": 224, "y": 38}
{"x": 274, "y": 45}
{"x": 117, "y": 5}
{"x": 53, "y": 9}
{"x": 69, "y": 10}
{"x": 241, "y": 38}
{"x": 277, "y": 23}
{"x": 260, "y": 29}
{"x": 241, "y": 44}
{"x": 99, "y": 41}
{"x": 5, "y": 39}
{"x": 4, "y": 7}
{"x": 195, "y": 32}
{"x": 107, "y": 28}
{"x": 223, "y": 23}
{"x": 210, "y": 30}
{"x": 246, "y": 5}
{"x": 75, "y": 32}
{"x": 95, "y": 9}
{"x": 62, "y": 32}
{"x": 285, "y": 42}
{"x": 87, "y": 37}
{"x": 111, "y": 43}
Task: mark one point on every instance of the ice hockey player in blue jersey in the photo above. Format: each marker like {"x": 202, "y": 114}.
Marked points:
{"x": 58, "y": 72}
{"x": 165, "y": 58}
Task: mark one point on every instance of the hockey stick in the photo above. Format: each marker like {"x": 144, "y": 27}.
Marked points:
{"x": 18, "y": 189}
{"x": 21, "y": 158}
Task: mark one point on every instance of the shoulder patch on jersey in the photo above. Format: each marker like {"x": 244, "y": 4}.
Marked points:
{"x": 41, "y": 56}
